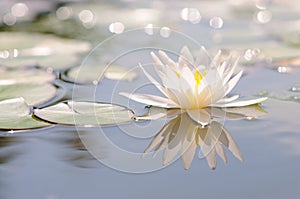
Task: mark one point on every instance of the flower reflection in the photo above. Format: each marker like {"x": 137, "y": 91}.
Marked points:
{"x": 182, "y": 135}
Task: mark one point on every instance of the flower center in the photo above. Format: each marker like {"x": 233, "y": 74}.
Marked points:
{"x": 198, "y": 77}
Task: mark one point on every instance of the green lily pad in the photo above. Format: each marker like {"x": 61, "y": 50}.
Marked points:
{"x": 267, "y": 50}
{"x": 26, "y": 49}
{"x": 55, "y": 62}
{"x": 35, "y": 44}
{"x": 92, "y": 73}
{"x": 15, "y": 115}
{"x": 291, "y": 37}
{"x": 19, "y": 40}
{"x": 33, "y": 94}
{"x": 8, "y": 77}
{"x": 86, "y": 114}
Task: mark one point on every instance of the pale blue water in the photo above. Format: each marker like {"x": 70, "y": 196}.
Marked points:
{"x": 53, "y": 164}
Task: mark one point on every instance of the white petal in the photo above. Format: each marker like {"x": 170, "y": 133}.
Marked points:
{"x": 214, "y": 82}
{"x": 186, "y": 58}
{"x": 216, "y": 60}
{"x": 167, "y": 60}
{"x": 199, "y": 116}
{"x": 224, "y": 65}
{"x": 241, "y": 103}
{"x": 202, "y": 58}
{"x": 171, "y": 80}
{"x": 188, "y": 77}
{"x": 153, "y": 81}
{"x": 159, "y": 66}
{"x": 184, "y": 93}
{"x": 204, "y": 98}
{"x": 231, "y": 84}
{"x": 228, "y": 99}
{"x": 151, "y": 100}
{"x": 229, "y": 70}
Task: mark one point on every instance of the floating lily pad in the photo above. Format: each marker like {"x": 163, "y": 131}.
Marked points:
{"x": 265, "y": 51}
{"x": 27, "y": 49}
{"x": 15, "y": 115}
{"x": 8, "y": 77}
{"x": 56, "y": 62}
{"x": 33, "y": 94}
{"x": 19, "y": 40}
{"x": 84, "y": 114}
{"x": 91, "y": 73}
{"x": 30, "y": 43}
{"x": 291, "y": 37}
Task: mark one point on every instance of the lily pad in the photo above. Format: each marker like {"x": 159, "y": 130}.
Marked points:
{"x": 291, "y": 37}
{"x": 55, "y": 62}
{"x": 47, "y": 51}
{"x": 86, "y": 114}
{"x": 8, "y": 77}
{"x": 265, "y": 51}
{"x": 92, "y": 73}
{"x": 30, "y": 43}
{"x": 33, "y": 94}
{"x": 15, "y": 115}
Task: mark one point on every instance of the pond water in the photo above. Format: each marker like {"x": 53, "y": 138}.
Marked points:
{"x": 62, "y": 162}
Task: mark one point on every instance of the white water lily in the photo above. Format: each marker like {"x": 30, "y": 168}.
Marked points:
{"x": 192, "y": 84}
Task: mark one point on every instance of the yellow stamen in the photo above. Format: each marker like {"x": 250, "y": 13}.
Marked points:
{"x": 198, "y": 77}
{"x": 177, "y": 73}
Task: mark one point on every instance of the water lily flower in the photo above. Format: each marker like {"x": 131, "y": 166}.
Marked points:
{"x": 192, "y": 84}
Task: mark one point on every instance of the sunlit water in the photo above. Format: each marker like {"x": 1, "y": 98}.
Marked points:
{"x": 54, "y": 164}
